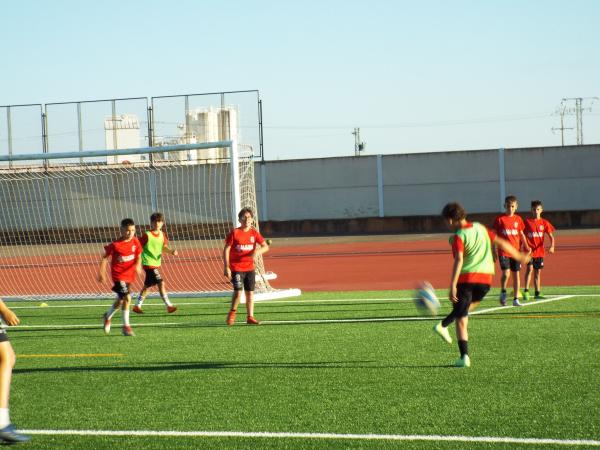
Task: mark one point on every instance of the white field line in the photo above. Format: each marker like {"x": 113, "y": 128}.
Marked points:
{"x": 524, "y": 305}
{"x": 326, "y": 436}
{"x": 267, "y": 302}
{"x": 308, "y": 321}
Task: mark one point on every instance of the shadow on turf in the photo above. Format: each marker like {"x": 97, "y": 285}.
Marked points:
{"x": 216, "y": 365}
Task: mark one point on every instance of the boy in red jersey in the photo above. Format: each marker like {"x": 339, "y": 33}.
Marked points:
{"x": 154, "y": 243}
{"x": 535, "y": 229}
{"x": 125, "y": 261}
{"x": 242, "y": 245}
{"x": 510, "y": 226}
{"x": 472, "y": 273}
{"x": 8, "y": 433}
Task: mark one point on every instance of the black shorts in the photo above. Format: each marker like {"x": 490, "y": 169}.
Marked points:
{"x": 509, "y": 263}
{"x": 468, "y": 293}
{"x": 121, "y": 288}
{"x": 153, "y": 277}
{"x": 3, "y": 335}
{"x": 243, "y": 280}
{"x": 537, "y": 263}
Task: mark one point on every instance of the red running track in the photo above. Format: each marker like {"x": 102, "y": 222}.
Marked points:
{"x": 400, "y": 264}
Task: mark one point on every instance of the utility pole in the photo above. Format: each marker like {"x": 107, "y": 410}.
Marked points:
{"x": 578, "y": 110}
{"x": 358, "y": 145}
{"x": 561, "y": 110}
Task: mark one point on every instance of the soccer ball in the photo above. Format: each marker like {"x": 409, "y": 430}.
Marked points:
{"x": 426, "y": 301}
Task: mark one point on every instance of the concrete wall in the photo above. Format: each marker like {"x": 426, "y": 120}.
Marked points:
{"x": 564, "y": 178}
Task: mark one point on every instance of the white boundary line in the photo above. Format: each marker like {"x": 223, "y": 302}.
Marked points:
{"x": 228, "y": 301}
{"x": 524, "y": 305}
{"x": 298, "y": 302}
{"x": 326, "y": 436}
{"x": 308, "y": 321}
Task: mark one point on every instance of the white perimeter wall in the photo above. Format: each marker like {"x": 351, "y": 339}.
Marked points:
{"x": 564, "y": 178}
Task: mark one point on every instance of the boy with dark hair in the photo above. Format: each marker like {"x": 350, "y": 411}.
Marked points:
{"x": 125, "y": 262}
{"x": 535, "y": 229}
{"x": 242, "y": 245}
{"x": 472, "y": 273}
{"x": 510, "y": 226}
{"x": 8, "y": 432}
{"x": 154, "y": 242}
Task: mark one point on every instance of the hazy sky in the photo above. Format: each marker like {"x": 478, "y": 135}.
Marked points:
{"x": 414, "y": 76}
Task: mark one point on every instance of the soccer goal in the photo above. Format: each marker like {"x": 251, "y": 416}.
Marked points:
{"x": 59, "y": 210}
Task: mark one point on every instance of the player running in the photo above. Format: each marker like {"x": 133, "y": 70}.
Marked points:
{"x": 125, "y": 261}
{"x": 154, "y": 243}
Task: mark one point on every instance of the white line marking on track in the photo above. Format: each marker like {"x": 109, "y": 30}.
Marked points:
{"x": 266, "y": 302}
{"x": 309, "y": 321}
{"x": 327, "y": 436}
{"x": 524, "y": 305}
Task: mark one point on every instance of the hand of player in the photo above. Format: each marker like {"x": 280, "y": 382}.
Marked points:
{"x": 9, "y": 317}
{"x": 101, "y": 277}
{"x": 452, "y": 294}
{"x": 227, "y": 273}
{"x": 551, "y": 249}
{"x": 525, "y": 257}
{"x": 174, "y": 253}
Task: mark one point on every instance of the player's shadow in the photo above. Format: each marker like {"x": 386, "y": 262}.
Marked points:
{"x": 220, "y": 365}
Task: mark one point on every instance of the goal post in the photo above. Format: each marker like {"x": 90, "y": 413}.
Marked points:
{"x": 60, "y": 209}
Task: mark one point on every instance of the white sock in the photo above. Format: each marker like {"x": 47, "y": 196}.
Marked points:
{"x": 140, "y": 301}
{"x": 165, "y": 299}
{"x": 4, "y": 418}
{"x": 126, "y": 317}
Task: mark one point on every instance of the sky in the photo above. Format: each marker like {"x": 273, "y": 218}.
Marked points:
{"x": 423, "y": 76}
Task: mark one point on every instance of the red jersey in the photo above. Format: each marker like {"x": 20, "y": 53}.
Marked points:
{"x": 534, "y": 233}
{"x": 242, "y": 245}
{"x": 125, "y": 255}
{"x": 509, "y": 228}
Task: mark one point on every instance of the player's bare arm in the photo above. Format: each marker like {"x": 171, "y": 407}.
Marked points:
{"x": 138, "y": 266}
{"x": 503, "y": 244}
{"x": 456, "y": 267}
{"x": 264, "y": 248}
{"x": 8, "y": 316}
{"x": 524, "y": 241}
{"x": 102, "y": 270}
{"x": 170, "y": 251}
{"x": 551, "y": 248}
{"x": 226, "y": 268}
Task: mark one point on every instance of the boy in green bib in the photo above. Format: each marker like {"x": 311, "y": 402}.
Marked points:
{"x": 472, "y": 272}
{"x": 154, "y": 243}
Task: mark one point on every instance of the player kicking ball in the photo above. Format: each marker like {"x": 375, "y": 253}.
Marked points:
{"x": 154, "y": 243}
{"x": 242, "y": 245}
{"x": 125, "y": 262}
{"x": 472, "y": 272}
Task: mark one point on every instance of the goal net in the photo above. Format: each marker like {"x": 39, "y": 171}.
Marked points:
{"x": 57, "y": 216}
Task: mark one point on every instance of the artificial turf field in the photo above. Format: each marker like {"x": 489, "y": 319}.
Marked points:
{"x": 340, "y": 369}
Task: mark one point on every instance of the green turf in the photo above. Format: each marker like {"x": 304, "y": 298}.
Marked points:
{"x": 534, "y": 374}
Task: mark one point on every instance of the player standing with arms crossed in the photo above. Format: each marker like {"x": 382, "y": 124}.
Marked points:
{"x": 125, "y": 261}
{"x": 154, "y": 243}
{"x": 535, "y": 229}
{"x": 242, "y": 245}
{"x": 510, "y": 226}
